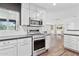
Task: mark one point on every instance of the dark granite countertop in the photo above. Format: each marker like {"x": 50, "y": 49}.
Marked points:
{"x": 72, "y": 34}
{"x": 4, "y": 38}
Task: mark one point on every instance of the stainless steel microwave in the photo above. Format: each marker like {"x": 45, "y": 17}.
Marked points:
{"x": 35, "y": 22}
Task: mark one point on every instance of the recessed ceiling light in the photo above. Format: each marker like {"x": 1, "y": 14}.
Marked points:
{"x": 54, "y": 4}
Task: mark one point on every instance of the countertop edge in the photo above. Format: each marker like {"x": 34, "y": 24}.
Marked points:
{"x": 72, "y": 34}
{"x": 14, "y": 38}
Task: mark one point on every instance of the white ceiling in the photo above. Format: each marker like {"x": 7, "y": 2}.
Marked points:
{"x": 58, "y": 7}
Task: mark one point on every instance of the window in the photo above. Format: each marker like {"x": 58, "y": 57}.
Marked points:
{"x": 3, "y": 24}
{"x": 7, "y": 25}
{"x": 12, "y": 25}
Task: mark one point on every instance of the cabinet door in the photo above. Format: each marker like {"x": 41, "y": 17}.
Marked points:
{"x": 70, "y": 42}
{"x": 36, "y": 12}
{"x": 23, "y": 50}
{"x": 25, "y": 14}
{"x": 73, "y": 42}
{"x": 47, "y": 42}
{"x": 10, "y": 50}
{"x": 66, "y": 38}
{"x": 33, "y": 14}
{"x": 40, "y": 13}
{"x": 77, "y": 43}
{"x": 66, "y": 44}
{"x": 25, "y": 5}
{"x": 33, "y": 11}
{"x": 67, "y": 41}
{"x": 25, "y": 47}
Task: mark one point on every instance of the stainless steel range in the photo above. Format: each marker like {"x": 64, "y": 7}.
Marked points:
{"x": 38, "y": 44}
{"x": 38, "y": 39}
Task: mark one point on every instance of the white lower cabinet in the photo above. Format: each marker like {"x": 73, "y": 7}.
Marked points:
{"x": 8, "y": 48}
{"x": 25, "y": 47}
{"x": 11, "y": 51}
{"x": 78, "y": 46}
{"x": 66, "y": 44}
{"x": 16, "y": 47}
{"x": 66, "y": 38}
{"x": 47, "y": 42}
{"x": 71, "y": 42}
{"x": 66, "y": 41}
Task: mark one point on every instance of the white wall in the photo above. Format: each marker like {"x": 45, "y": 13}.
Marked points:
{"x": 65, "y": 17}
{"x": 72, "y": 16}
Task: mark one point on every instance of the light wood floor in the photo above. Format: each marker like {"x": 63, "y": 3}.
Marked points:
{"x": 59, "y": 50}
{"x": 64, "y": 52}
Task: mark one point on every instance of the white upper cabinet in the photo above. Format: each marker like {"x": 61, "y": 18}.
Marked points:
{"x": 25, "y": 5}
{"x": 25, "y": 14}
{"x": 31, "y": 10}
{"x": 37, "y": 12}
{"x": 33, "y": 13}
{"x": 40, "y": 13}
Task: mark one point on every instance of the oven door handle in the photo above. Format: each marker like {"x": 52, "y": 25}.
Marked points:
{"x": 40, "y": 38}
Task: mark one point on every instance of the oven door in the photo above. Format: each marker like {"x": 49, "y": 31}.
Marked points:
{"x": 39, "y": 47}
{"x": 39, "y": 44}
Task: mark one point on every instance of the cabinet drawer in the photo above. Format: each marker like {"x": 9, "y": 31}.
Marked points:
{"x": 8, "y": 42}
{"x": 24, "y": 50}
{"x": 25, "y": 40}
